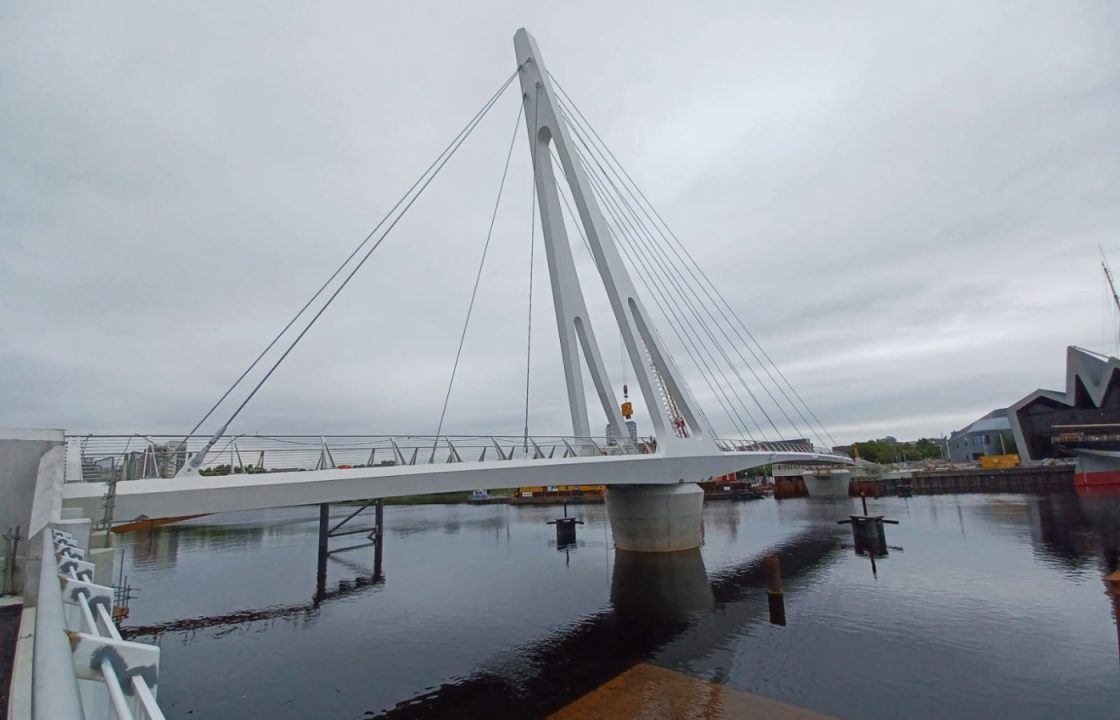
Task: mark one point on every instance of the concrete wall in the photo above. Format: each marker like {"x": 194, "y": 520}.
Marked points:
{"x": 20, "y": 453}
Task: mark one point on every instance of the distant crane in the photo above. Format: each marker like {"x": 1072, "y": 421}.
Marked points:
{"x": 1112, "y": 288}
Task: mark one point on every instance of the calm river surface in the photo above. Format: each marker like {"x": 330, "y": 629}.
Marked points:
{"x": 986, "y": 606}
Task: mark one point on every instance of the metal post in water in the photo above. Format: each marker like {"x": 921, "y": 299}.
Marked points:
{"x": 324, "y": 542}
{"x": 379, "y": 535}
{"x": 1112, "y": 584}
{"x": 775, "y": 597}
{"x": 773, "y": 567}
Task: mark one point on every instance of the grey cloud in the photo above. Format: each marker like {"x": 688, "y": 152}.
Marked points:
{"x": 903, "y": 200}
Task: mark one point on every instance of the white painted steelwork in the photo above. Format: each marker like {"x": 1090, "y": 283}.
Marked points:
{"x": 182, "y": 496}
{"x": 158, "y": 480}
{"x": 84, "y": 644}
{"x": 547, "y": 127}
{"x": 54, "y": 687}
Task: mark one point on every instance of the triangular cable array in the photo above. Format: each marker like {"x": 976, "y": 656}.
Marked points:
{"x": 350, "y": 267}
{"x": 474, "y": 291}
{"x": 758, "y": 399}
{"x": 672, "y": 411}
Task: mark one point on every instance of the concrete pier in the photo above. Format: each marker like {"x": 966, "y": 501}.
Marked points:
{"x": 828, "y": 484}
{"x": 656, "y": 518}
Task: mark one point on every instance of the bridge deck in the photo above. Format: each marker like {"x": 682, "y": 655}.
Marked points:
{"x": 200, "y": 494}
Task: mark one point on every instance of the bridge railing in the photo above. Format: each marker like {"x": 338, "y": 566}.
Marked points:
{"x": 115, "y": 458}
{"x": 775, "y": 446}
{"x": 81, "y": 666}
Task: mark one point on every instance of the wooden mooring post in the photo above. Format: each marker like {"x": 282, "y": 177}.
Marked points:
{"x": 775, "y": 597}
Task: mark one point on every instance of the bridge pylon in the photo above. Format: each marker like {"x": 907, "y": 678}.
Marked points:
{"x": 652, "y": 365}
{"x": 666, "y": 518}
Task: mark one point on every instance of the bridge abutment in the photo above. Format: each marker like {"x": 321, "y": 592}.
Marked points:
{"x": 656, "y": 518}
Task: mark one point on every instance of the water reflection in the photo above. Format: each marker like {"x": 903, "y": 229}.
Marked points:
{"x": 495, "y": 622}
{"x": 1077, "y": 530}
{"x": 661, "y": 604}
{"x": 660, "y": 586}
{"x": 160, "y": 546}
{"x": 186, "y": 629}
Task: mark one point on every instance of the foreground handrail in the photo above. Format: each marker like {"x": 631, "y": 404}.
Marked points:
{"x": 89, "y": 648}
{"x": 54, "y": 687}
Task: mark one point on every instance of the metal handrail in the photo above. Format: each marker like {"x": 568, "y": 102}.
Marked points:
{"x": 54, "y": 687}
{"x": 162, "y": 456}
{"x": 107, "y": 458}
{"x": 54, "y": 696}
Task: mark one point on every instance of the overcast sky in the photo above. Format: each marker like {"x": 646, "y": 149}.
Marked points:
{"x": 903, "y": 201}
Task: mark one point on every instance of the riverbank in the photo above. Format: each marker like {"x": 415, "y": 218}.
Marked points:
{"x": 450, "y": 498}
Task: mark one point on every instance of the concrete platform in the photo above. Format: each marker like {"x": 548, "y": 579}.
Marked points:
{"x": 648, "y": 692}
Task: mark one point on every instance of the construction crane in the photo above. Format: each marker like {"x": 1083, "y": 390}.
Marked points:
{"x": 1108, "y": 276}
{"x": 1111, "y": 286}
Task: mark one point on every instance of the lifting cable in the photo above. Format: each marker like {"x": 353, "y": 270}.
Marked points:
{"x": 474, "y": 291}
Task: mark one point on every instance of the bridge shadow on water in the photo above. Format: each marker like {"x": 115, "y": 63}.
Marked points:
{"x": 656, "y": 601}
{"x": 663, "y": 608}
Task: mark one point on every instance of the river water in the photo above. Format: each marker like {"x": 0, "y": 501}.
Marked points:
{"x": 984, "y": 606}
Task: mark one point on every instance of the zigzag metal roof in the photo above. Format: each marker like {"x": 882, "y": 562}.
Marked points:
{"x": 1084, "y": 369}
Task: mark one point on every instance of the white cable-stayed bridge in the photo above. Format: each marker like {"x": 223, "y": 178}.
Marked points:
{"x": 578, "y": 183}
{"x": 62, "y": 484}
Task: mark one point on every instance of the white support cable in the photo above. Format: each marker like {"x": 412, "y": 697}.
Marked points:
{"x": 723, "y": 305}
{"x": 680, "y": 331}
{"x": 333, "y": 275}
{"x": 622, "y": 360}
{"x": 656, "y": 286}
{"x": 660, "y": 304}
{"x": 195, "y": 462}
{"x": 666, "y": 232}
{"x": 677, "y": 281}
{"x": 663, "y": 268}
{"x": 532, "y": 257}
{"x": 658, "y": 300}
{"x": 651, "y": 280}
{"x": 665, "y": 265}
{"x": 477, "y": 279}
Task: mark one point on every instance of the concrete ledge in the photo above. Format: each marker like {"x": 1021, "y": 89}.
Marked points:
{"x": 19, "y": 690}
{"x": 648, "y": 691}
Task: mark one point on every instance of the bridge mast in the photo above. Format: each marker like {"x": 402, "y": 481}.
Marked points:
{"x": 572, "y": 319}
{"x": 547, "y": 126}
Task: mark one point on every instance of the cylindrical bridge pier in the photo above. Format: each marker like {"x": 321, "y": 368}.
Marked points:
{"x": 656, "y": 518}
